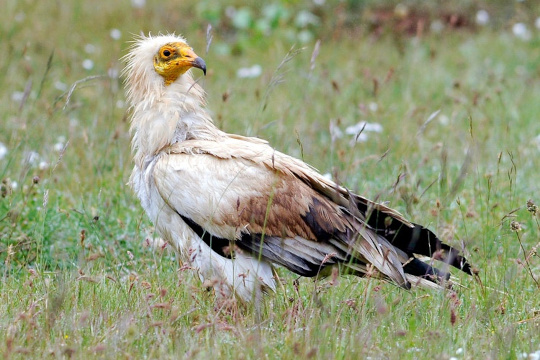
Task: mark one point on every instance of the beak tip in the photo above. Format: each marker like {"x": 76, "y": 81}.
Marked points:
{"x": 199, "y": 63}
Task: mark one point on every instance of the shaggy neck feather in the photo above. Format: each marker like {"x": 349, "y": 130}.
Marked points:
{"x": 164, "y": 115}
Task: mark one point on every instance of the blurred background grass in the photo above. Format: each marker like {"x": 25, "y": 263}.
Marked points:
{"x": 452, "y": 86}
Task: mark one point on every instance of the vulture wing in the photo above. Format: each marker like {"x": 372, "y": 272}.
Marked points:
{"x": 240, "y": 195}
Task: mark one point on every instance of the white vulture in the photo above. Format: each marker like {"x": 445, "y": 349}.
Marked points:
{"x": 233, "y": 206}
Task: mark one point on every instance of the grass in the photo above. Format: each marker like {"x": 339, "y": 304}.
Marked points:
{"x": 78, "y": 281}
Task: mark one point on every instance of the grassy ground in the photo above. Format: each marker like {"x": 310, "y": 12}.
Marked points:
{"x": 78, "y": 280}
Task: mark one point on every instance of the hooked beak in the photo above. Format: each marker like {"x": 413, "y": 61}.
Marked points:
{"x": 199, "y": 63}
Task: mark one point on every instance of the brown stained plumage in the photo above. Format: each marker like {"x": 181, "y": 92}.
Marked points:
{"x": 271, "y": 213}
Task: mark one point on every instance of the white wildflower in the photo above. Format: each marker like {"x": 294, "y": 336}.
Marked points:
{"x": 17, "y": 96}
{"x": 305, "y": 18}
{"x": 14, "y": 185}
{"x": 59, "y": 146}
{"x": 3, "y": 150}
{"x": 60, "y": 85}
{"x": 364, "y": 126}
{"x": 359, "y": 137}
{"x": 359, "y": 130}
{"x": 43, "y": 165}
{"x": 444, "y": 120}
{"x": 249, "y": 72}
{"x": 521, "y": 31}
{"x": 138, "y": 4}
{"x": 87, "y": 64}
{"x": 115, "y": 34}
{"x": 482, "y": 17}
{"x": 373, "y": 106}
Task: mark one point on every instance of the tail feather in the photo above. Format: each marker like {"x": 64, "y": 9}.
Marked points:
{"x": 412, "y": 239}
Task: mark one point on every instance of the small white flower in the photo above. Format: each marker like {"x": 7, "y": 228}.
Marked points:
{"x": 520, "y": 31}
{"x": 444, "y": 120}
{"x": 138, "y": 4}
{"x": 372, "y": 106}
{"x": 58, "y": 146}
{"x": 305, "y": 18}
{"x": 88, "y": 64}
{"x": 249, "y": 72}
{"x": 459, "y": 351}
{"x": 482, "y": 17}
{"x": 17, "y": 96}
{"x": 364, "y": 126}
{"x": 358, "y": 131}
{"x": 60, "y": 85}
{"x": 43, "y": 165}
{"x": 14, "y": 185}
{"x": 3, "y": 150}
{"x": 115, "y": 34}
{"x": 359, "y": 137}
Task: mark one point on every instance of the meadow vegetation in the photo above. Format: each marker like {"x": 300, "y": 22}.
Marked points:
{"x": 456, "y": 148}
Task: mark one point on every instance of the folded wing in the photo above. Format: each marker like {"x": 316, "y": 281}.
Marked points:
{"x": 240, "y": 195}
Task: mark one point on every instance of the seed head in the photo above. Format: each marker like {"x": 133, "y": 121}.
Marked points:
{"x": 515, "y": 226}
{"x": 531, "y": 207}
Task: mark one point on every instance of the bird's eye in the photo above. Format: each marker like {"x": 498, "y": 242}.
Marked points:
{"x": 166, "y": 53}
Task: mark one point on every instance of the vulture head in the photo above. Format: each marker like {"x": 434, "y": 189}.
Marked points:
{"x": 155, "y": 63}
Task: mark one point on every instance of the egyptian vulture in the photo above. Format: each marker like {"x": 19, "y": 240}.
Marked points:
{"x": 233, "y": 206}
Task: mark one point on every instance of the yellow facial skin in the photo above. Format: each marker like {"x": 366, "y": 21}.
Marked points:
{"x": 174, "y": 59}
